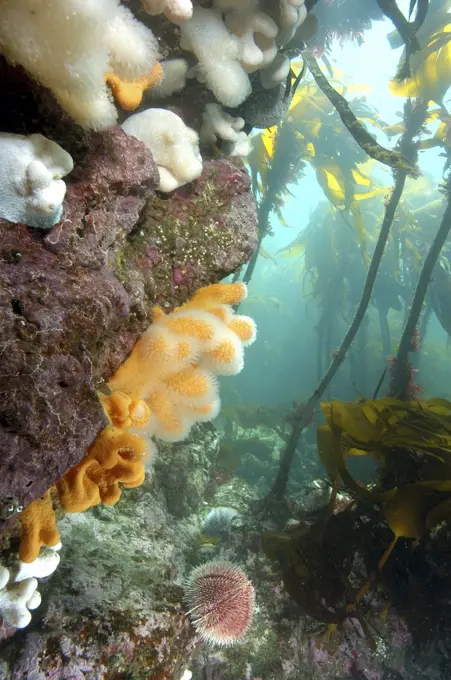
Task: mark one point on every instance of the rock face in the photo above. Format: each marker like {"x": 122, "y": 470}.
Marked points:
{"x": 62, "y": 309}
{"x": 74, "y": 300}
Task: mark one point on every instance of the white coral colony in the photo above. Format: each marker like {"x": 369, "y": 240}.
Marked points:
{"x": 218, "y": 52}
{"x": 31, "y": 188}
{"x": 69, "y": 46}
{"x": 19, "y": 583}
{"x": 174, "y": 146}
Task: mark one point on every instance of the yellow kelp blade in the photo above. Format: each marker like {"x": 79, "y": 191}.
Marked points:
{"x": 262, "y": 149}
{"x": 360, "y": 178}
{"x": 329, "y": 450}
{"x": 365, "y": 195}
{"x": 415, "y": 425}
{"x": 376, "y": 121}
{"x": 406, "y": 511}
{"x": 310, "y": 149}
{"x": 333, "y": 453}
{"x": 430, "y": 68}
{"x": 395, "y": 129}
{"x": 294, "y": 249}
{"x": 361, "y": 175}
{"x": 268, "y": 138}
{"x": 359, "y": 225}
{"x": 333, "y": 183}
{"x": 258, "y": 159}
{"x": 405, "y": 514}
{"x": 359, "y": 424}
{"x": 266, "y": 255}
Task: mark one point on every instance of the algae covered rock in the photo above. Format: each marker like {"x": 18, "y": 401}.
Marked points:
{"x": 184, "y": 470}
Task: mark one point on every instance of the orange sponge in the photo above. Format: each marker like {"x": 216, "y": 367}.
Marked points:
{"x": 38, "y": 527}
{"x": 114, "y": 458}
{"x": 129, "y": 94}
{"x": 125, "y": 412}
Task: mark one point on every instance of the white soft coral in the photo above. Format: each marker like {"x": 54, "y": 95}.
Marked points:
{"x": 293, "y": 13}
{"x": 218, "y": 52}
{"x": 174, "y": 146}
{"x": 255, "y": 30}
{"x": 69, "y": 47}
{"x": 18, "y": 586}
{"x": 176, "y": 11}
{"x": 31, "y": 188}
{"x": 219, "y": 125}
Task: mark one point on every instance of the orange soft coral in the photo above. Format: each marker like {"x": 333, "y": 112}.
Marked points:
{"x": 193, "y": 323}
{"x": 38, "y": 527}
{"x": 173, "y": 365}
{"x": 218, "y": 294}
{"x": 129, "y": 94}
{"x": 167, "y": 421}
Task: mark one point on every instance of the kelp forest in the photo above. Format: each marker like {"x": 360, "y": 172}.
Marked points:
{"x": 374, "y": 257}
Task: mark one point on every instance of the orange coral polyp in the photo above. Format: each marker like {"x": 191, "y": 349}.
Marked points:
{"x": 204, "y": 411}
{"x": 38, "y": 527}
{"x": 168, "y": 422}
{"x": 153, "y": 355}
{"x": 156, "y": 344}
{"x": 186, "y": 351}
{"x": 227, "y": 358}
{"x": 193, "y": 325}
{"x": 244, "y": 327}
{"x": 193, "y": 383}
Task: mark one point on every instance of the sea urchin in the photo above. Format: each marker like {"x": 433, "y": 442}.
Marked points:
{"x": 220, "y": 598}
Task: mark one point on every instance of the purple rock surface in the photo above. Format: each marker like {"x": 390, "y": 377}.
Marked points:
{"x": 74, "y": 300}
